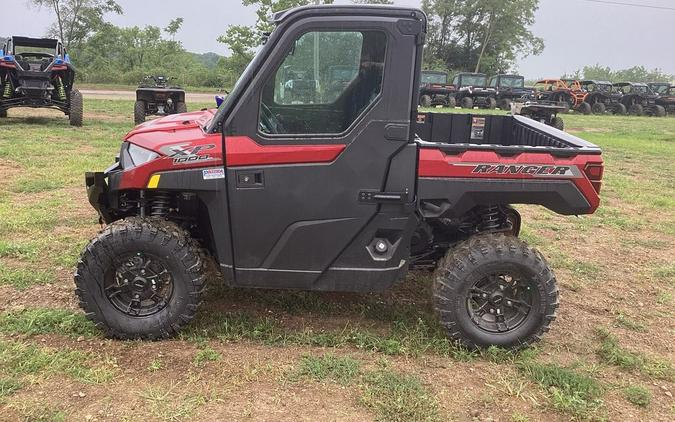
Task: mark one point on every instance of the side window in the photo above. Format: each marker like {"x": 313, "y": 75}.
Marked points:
{"x": 324, "y": 84}
{"x": 493, "y": 83}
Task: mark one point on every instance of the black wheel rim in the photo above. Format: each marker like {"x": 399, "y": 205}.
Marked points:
{"x": 139, "y": 285}
{"x": 501, "y": 302}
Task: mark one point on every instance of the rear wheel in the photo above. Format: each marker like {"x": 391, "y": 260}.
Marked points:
{"x": 466, "y": 102}
{"x": 139, "y": 112}
{"x": 452, "y": 103}
{"x": 659, "y": 111}
{"x": 636, "y": 110}
{"x": 494, "y": 289}
{"x": 505, "y": 104}
{"x": 558, "y": 123}
{"x": 620, "y": 109}
{"x": 181, "y": 107}
{"x": 76, "y": 108}
{"x": 425, "y": 101}
{"x": 584, "y": 108}
{"x": 491, "y": 103}
{"x": 140, "y": 279}
{"x": 598, "y": 108}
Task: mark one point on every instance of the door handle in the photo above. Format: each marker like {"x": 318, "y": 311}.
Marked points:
{"x": 247, "y": 179}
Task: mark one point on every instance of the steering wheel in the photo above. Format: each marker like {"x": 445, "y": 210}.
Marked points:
{"x": 269, "y": 123}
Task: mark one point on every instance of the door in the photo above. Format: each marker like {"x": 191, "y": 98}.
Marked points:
{"x": 320, "y": 160}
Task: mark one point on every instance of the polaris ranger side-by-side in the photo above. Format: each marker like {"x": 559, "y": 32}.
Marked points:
{"x": 639, "y": 99}
{"x": 509, "y": 88}
{"x": 154, "y": 96}
{"x": 435, "y": 90}
{"x": 472, "y": 91}
{"x": 37, "y": 73}
{"x": 346, "y": 192}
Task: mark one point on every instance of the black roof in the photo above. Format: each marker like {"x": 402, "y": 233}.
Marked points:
{"x": 339, "y": 9}
{"x": 593, "y": 81}
{"x": 35, "y": 42}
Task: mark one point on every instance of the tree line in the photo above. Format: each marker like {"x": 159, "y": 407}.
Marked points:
{"x": 486, "y": 36}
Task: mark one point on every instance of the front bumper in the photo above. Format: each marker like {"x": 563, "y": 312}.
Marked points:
{"x": 98, "y": 194}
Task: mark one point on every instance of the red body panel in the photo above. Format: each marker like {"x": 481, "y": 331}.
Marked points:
{"x": 435, "y": 163}
{"x": 185, "y": 131}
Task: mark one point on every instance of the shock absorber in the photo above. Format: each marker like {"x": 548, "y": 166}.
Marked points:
{"x": 160, "y": 204}
{"x": 60, "y": 89}
{"x": 7, "y": 88}
{"x": 491, "y": 218}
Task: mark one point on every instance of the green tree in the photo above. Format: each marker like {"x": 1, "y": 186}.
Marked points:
{"x": 173, "y": 27}
{"x": 77, "y": 19}
{"x": 480, "y": 35}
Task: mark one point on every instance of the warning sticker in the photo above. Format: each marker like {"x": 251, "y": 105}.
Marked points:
{"x": 210, "y": 174}
{"x": 478, "y": 128}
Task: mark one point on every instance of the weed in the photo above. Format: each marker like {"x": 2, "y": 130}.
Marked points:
{"x": 612, "y": 353}
{"x": 207, "y": 354}
{"x": 638, "y": 395}
{"x": 567, "y": 390}
{"x": 664, "y": 298}
{"x": 8, "y": 386}
{"x": 627, "y": 322}
{"x": 398, "y": 397}
{"x": 329, "y": 367}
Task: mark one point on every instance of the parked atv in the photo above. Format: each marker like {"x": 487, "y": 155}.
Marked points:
{"x": 639, "y": 99}
{"x": 542, "y": 111}
{"x": 435, "y": 90}
{"x": 37, "y": 73}
{"x": 472, "y": 91}
{"x": 509, "y": 88}
{"x": 154, "y": 96}
{"x": 602, "y": 97}
{"x": 558, "y": 91}
{"x": 659, "y": 88}
{"x": 667, "y": 100}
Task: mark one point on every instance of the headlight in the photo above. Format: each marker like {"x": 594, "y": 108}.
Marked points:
{"x": 133, "y": 155}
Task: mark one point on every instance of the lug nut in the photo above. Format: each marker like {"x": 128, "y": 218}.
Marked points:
{"x": 381, "y": 247}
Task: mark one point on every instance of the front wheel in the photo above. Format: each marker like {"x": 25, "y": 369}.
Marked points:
{"x": 76, "y": 111}
{"x": 425, "y": 101}
{"x": 620, "y": 109}
{"x": 466, "y": 102}
{"x": 491, "y": 103}
{"x": 598, "y": 108}
{"x": 452, "y": 103}
{"x": 494, "y": 289}
{"x": 659, "y": 111}
{"x": 140, "y": 279}
{"x": 584, "y": 108}
{"x": 139, "y": 112}
{"x": 558, "y": 123}
{"x": 636, "y": 110}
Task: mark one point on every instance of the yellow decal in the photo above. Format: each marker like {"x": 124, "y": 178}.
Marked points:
{"x": 154, "y": 181}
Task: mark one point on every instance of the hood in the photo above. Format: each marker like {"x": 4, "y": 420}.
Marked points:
{"x": 184, "y": 128}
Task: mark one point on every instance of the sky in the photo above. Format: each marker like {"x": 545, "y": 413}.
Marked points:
{"x": 576, "y": 32}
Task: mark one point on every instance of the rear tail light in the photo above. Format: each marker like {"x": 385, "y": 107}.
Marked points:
{"x": 594, "y": 173}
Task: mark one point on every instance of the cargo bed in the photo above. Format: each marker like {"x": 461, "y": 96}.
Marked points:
{"x": 454, "y": 133}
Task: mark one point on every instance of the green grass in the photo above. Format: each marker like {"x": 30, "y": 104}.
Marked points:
{"x": 24, "y": 361}
{"x": 625, "y": 321}
{"x": 47, "y": 321}
{"x": 403, "y": 338}
{"x": 328, "y": 367}
{"x": 205, "y": 355}
{"x": 638, "y": 395}
{"x": 9, "y": 386}
{"x": 394, "y": 397}
{"x": 23, "y": 278}
{"x": 611, "y": 353}
{"x": 567, "y": 390}
{"x": 20, "y": 250}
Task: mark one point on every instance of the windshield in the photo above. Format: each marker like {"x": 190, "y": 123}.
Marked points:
{"x": 640, "y": 89}
{"x": 23, "y": 49}
{"x": 660, "y": 88}
{"x": 671, "y": 90}
{"x": 434, "y": 78}
{"x": 473, "y": 80}
{"x": 511, "y": 82}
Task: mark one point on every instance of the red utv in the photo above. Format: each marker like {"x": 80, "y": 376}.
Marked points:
{"x": 341, "y": 192}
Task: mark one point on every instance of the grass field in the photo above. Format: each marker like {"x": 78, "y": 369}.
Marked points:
{"x": 278, "y": 355}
